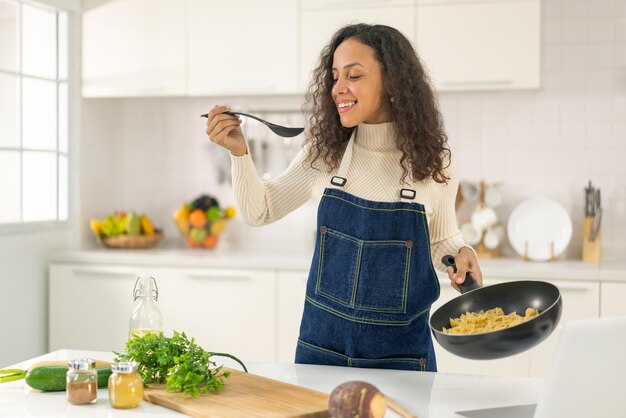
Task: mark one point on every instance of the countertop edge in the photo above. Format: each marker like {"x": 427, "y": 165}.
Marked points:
{"x": 503, "y": 268}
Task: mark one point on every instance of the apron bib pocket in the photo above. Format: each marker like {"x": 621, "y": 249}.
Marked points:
{"x": 366, "y": 275}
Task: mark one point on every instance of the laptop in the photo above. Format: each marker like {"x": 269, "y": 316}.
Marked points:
{"x": 586, "y": 378}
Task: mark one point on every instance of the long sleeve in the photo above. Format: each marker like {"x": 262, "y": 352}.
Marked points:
{"x": 445, "y": 236}
{"x": 264, "y": 202}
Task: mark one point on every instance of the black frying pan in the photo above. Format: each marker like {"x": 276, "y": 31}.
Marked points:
{"x": 512, "y": 296}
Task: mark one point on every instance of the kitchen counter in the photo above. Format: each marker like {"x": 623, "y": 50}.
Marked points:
{"x": 427, "y": 395}
{"x": 502, "y": 268}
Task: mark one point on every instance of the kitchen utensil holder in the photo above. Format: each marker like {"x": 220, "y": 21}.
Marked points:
{"x": 552, "y": 257}
{"x": 592, "y": 250}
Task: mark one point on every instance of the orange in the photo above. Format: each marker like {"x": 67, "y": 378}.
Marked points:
{"x": 197, "y": 218}
{"x": 193, "y": 243}
{"x": 217, "y": 227}
{"x": 210, "y": 241}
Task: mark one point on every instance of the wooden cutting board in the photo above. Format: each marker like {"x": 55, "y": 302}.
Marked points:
{"x": 246, "y": 395}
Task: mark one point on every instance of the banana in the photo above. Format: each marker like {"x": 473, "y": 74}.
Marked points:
{"x": 146, "y": 225}
{"x": 96, "y": 226}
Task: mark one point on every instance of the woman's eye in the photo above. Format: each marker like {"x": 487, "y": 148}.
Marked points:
{"x": 354, "y": 77}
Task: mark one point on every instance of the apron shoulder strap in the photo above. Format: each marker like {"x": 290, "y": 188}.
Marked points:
{"x": 339, "y": 180}
{"x": 407, "y": 193}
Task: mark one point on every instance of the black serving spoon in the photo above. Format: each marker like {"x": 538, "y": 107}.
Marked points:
{"x": 277, "y": 129}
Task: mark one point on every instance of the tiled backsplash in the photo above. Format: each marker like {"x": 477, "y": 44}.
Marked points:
{"x": 152, "y": 154}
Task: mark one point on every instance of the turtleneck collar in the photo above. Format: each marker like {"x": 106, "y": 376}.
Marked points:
{"x": 376, "y": 137}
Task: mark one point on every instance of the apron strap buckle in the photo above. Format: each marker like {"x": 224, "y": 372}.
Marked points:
{"x": 338, "y": 181}
{"x": 407, "y": 194}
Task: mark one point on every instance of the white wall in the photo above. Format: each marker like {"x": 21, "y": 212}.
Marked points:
{"x": 24, "y": 292}
{"x": 152, "y": 154}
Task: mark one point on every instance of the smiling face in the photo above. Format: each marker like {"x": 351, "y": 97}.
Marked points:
{"x": 358, "y": 89}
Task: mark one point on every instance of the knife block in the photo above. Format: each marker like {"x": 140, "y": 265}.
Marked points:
{"x": 591, "y": 249}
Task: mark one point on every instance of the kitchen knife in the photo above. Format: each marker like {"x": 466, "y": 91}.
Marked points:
{"x": 588, "y": 200}
{"x": 596, "y": 225}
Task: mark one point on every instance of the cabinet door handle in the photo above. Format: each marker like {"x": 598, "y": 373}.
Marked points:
{"x": 112, "y": 272}
{"x": 574, "y": 287}
{"x": 218, "y": 275}
{"x": 353, "y": 2}
{"x": 461, "y": 83}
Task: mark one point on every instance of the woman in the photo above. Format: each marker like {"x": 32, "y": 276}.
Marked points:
{"x": 376, "y": 147}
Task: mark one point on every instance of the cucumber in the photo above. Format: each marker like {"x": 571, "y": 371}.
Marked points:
{"x": 52, "y": 378}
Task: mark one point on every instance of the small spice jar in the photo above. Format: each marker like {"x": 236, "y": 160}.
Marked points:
{"x": 125, "y": 385}
{"x": 82, "y": 381}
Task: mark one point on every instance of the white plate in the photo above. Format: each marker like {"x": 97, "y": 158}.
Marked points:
{"x": 539, "y": 222}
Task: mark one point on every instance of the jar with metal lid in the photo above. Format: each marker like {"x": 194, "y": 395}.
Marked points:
{"x": 82, "y": 381}
{"x": 125, "y": 385}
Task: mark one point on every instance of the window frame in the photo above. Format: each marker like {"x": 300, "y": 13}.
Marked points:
{"x": 72, "y": 8}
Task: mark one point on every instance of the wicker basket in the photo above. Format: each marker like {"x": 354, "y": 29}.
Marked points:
{"x": 137, "y": 241}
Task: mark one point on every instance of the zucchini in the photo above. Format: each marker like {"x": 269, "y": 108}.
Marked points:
{"x": 52, "y": 378}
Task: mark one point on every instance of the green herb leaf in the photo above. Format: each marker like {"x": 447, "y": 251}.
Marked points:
{"x": 178, "y": 362}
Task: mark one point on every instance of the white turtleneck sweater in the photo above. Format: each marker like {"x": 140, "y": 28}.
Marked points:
{"x": 374, "y": 173}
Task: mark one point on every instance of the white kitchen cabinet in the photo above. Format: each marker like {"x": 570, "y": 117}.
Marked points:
{"x": 480, "y": 44}
{"x": 291, "y": 291}
{"x": 226, "y": 310}
{"x": 612, "y": 299}
{"x": 90, "y": 306}
{"x": 581, "y": 300}
{"x": 517, "y": 365}
{"x": 242, "y": 47}
{"x": 317, "y": 25}
{"x": 134, "y": 48}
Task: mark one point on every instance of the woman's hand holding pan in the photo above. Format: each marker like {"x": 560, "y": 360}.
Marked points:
{"x": 466, "y": 262}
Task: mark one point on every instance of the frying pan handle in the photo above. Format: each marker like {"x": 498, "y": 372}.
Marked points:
{"x": 469, "y": 283}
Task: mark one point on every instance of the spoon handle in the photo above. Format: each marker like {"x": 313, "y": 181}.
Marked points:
{"x": 251, "y": 116}
{"x": 206, "y": 115}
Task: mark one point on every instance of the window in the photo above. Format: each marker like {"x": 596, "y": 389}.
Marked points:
{"x": 33, "y": 113}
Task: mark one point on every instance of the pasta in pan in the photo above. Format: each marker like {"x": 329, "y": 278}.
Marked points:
{"x": 486, "y": 321}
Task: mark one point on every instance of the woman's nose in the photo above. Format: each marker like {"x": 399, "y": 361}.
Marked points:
{"x": 340, "y": 86}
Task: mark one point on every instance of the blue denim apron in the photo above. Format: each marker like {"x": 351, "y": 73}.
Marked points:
{"x": 371, "y": 283}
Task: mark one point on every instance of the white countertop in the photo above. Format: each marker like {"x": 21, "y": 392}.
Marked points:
{"x": 501, "y": 268}
{"x": 427, "y": 395}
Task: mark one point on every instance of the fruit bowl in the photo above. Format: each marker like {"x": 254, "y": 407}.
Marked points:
{"x": 126, "y": 230}
{"x": 202, "y": 221}
{"x": 126, "y": 241}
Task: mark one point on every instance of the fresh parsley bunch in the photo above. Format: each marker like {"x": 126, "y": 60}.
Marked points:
{"x": 178, "y": 362}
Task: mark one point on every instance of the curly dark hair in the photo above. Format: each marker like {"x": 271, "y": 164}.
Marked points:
{"x": 414, "y": 109}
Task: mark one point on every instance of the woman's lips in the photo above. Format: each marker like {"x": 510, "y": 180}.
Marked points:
{"x": 344, "y": 107}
